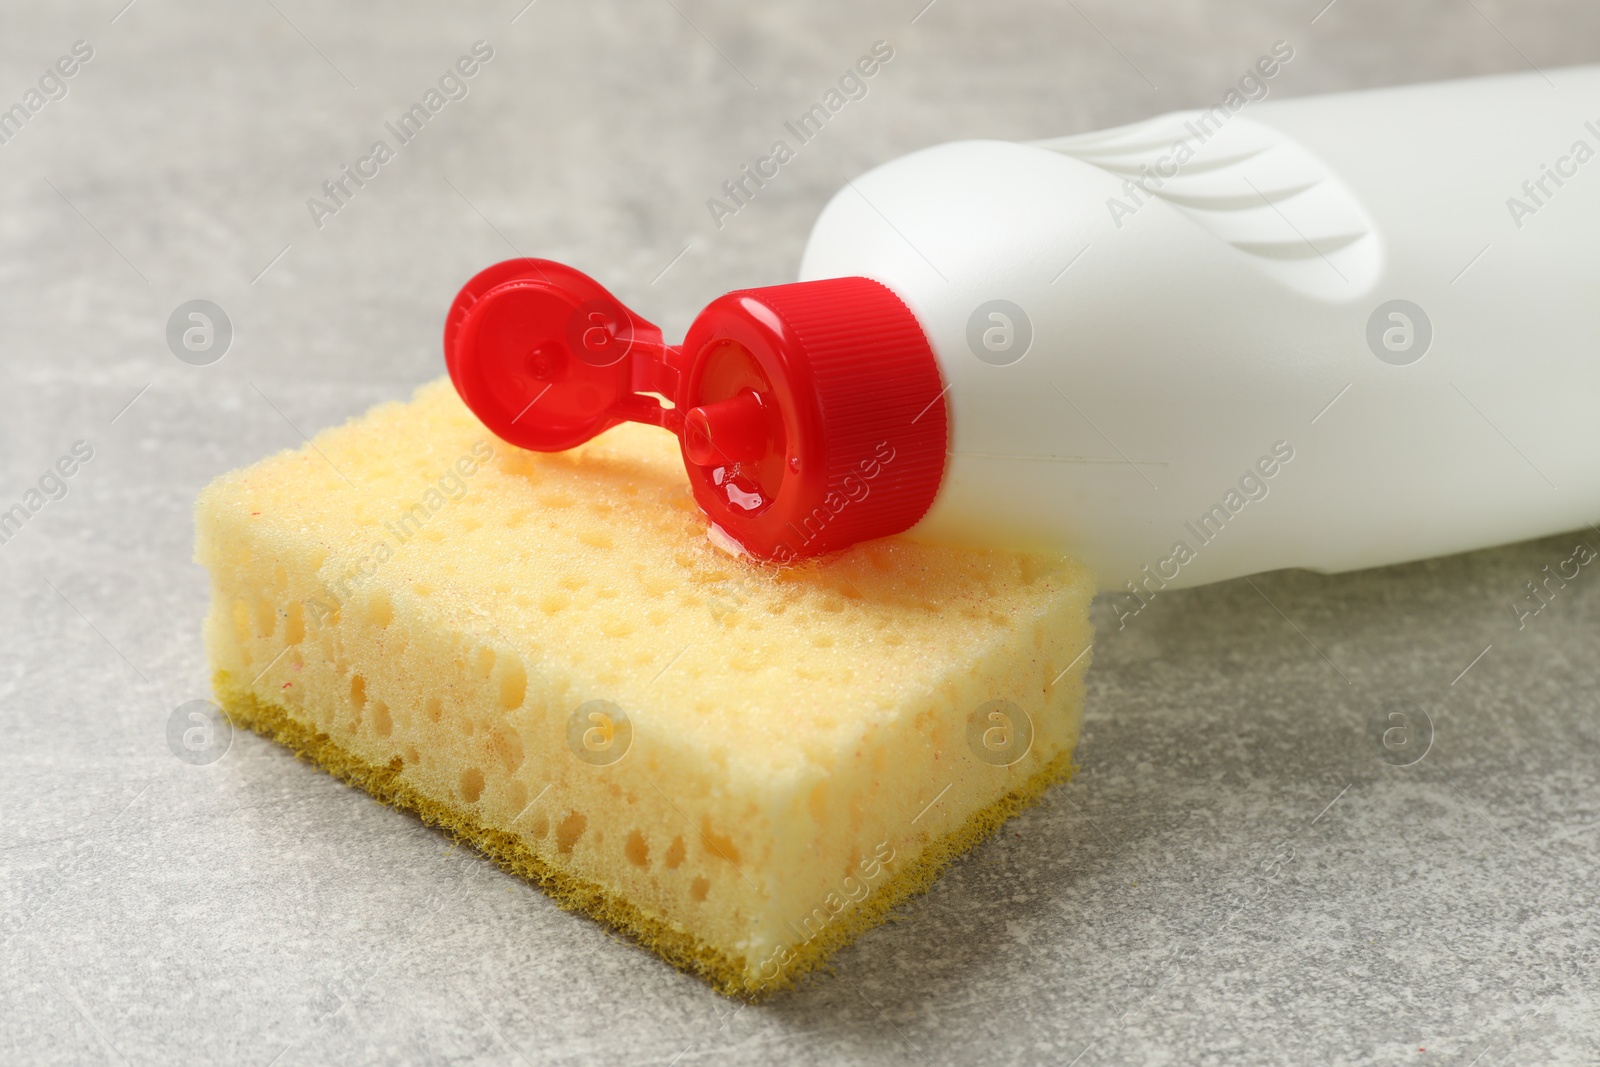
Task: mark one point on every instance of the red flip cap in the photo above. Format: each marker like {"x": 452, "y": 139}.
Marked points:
{"x": 810, "y": 416}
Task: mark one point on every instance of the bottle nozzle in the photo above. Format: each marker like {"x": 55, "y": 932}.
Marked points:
{"x": 735, "y": 430}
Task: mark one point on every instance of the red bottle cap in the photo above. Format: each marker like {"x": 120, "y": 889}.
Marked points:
{"x": 810, "y": 415}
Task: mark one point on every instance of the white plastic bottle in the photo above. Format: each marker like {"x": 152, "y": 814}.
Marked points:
{"x": 1332, "y": 332}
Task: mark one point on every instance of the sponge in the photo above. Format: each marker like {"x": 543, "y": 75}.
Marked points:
{"x": 742, "y": 766}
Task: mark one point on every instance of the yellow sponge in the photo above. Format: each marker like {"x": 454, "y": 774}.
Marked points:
{"x": 742, "y": 766}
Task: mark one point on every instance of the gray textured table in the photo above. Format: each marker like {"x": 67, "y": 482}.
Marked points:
{"x": 1234, "y": 876}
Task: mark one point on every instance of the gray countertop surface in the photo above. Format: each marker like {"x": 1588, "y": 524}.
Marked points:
{"x": 1234, "y": 876}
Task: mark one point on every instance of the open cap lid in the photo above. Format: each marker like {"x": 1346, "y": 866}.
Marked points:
{"x": 810, "y": 415}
